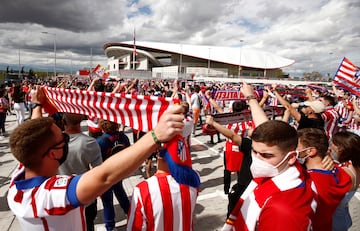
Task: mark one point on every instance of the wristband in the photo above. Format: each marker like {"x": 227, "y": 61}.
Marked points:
{"x": 155, "y": 139}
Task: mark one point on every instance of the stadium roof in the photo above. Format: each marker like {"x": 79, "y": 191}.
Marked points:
{"x": 230, "y": 55}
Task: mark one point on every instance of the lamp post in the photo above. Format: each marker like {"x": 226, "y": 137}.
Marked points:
{"x": 19, "y": 64}
{"x": 328, "y": 74}
{"x": 53, "y": 34}
{"x": 241, "y": 41}
{"x": 209, "y": 62}
{"x": 180, "y": 70}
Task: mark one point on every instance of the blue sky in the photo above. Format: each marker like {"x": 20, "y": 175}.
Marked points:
{"x": 316, "y": 34}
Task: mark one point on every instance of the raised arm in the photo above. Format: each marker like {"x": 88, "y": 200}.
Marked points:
{"x": 257, "y": 113}
{"x": 96, "y": 181}
{"x": 228, "y": 133}
{"x": 264, "y": 98}
{"x": 91, "y": 86}
{"x": 293, "y": 111}
{"x": 38, "y": 98}
{"x": 213, "y": 102}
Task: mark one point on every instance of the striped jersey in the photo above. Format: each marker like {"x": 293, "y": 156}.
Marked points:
{"x": 46, "y": 203}
{"x": 331, "y": 118}
{"x": 160, "y": 203}
{"x": 284, "y": 202}
{"x": 331, "y": 186}
{"x": 233, "y": 154}
{"x": 240, "y": 128}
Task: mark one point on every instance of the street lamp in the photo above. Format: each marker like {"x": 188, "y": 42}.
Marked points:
{"x": 241, "y": 41}
{"x": 209, "y": 62}
{"x": 53, "y": 34}
{"x": 328, "y": 74}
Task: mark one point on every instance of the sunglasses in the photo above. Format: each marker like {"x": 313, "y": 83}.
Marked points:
{"x": 65, "y": 140}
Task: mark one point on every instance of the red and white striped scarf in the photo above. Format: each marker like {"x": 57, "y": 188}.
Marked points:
{"x": 136, "y": 111}
{"x": 247, "y": 210}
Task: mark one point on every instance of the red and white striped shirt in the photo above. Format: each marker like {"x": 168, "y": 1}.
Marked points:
{"x": 331, "y": 118}
{"x": 93, "y": 124}
{"x": 343, "y": 108}
{"x": 284, "y": 202}
{"x": 160, "y": 203}
{"x": 46, "y": 203}
{"x": 240, "y": 128}
{"x": 233, "y": 155}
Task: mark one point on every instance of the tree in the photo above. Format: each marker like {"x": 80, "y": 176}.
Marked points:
{"x": 280, "y": 74}
{"x": 31, "y": 73}
{"x": 315, "y": 75}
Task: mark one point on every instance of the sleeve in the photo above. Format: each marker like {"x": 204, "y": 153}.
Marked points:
{"x": 136, "y": 219}
{"x": 71, "y": 192}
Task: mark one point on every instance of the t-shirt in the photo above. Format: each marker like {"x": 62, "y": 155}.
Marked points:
{"x": 331, "y": 186}
{"x": 306, "y": 122}
{"x": 46, "y": 203}
{"x": 84, "y": 152}
{"x": 160, "y": 203}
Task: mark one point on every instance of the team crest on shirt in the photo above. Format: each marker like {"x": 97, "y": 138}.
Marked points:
{"x": 61, "y": 182}
{"x": 181, "y": 150}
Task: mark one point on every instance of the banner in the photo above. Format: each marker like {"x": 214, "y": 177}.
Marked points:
{"x": 231, "y": 118}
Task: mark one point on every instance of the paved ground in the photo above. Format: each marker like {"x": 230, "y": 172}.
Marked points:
{"x": 211, "y": 205}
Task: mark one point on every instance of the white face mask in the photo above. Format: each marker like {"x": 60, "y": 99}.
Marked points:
{"x": 302, "y": 160}
{"x": 334, "y": 156}
{"x": 261, "y": 168}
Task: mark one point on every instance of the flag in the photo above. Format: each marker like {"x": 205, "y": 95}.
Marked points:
{"x": 136, "y": 111}
{"x": 100, "y": 71}
{"x": 348, "y": 77}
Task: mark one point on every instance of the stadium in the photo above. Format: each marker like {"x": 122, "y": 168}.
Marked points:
{"x": 169, "y": 60}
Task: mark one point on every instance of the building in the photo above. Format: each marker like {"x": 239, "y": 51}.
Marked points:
{"x": 169, "y": 60}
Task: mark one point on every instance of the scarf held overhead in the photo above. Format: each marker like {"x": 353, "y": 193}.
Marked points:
{"x": 136, "y": 111}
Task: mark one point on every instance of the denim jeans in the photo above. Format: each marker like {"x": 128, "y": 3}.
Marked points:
{"x": 108, "y": 204}
{"x": 341, "y": 218}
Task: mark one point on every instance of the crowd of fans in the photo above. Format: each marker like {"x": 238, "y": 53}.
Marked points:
{"x": 328, "y": 114}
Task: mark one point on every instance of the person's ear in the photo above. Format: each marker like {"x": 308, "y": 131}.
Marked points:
{"x": 292, "y": 158}
{"x": 311, "y": 151}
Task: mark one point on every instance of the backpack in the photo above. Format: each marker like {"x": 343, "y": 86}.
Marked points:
{"x": 114, "y": 143}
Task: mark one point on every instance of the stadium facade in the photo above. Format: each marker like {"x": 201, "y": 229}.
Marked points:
{"x": 169, "y": 60}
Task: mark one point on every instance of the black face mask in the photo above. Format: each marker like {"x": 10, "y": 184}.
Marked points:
{"x": 65, "y": 149}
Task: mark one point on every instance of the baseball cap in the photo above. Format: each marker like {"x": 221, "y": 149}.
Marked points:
{"x": 316, "y": 105}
